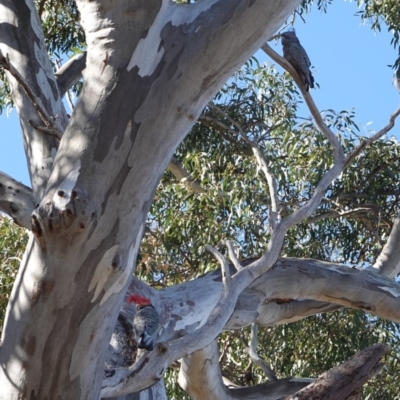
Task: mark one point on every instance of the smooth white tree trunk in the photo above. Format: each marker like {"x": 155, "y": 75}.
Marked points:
{"x": 92, "y": 191}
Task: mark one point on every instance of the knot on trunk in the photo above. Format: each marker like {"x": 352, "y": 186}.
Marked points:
{"x": 62, "y": 212}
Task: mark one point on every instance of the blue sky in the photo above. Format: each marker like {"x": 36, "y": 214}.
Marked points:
{"x": 350, "y": 65}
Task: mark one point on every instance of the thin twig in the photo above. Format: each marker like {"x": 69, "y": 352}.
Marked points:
{"x": 366, "y": 142}
{"x": 221, "y": 128}
{"x": 297, "y": 12}
{"x": 338, "y": 214}
{"x": 272, "y": 185}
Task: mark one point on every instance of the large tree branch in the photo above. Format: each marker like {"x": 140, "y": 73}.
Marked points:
{"x": 70, "y": 73}
{"x": 139, "y": 99}
{"x": 22, "y": 41}
{"x": 200, "y": 376}
{"x": 388, "y": 262}
{"x": 286, "y": 288}
{"x": 340, "y": 382}
{"x": 16, "y": 200}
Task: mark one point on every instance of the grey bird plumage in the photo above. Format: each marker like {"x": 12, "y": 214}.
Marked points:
{"x": 146, "y": 323}
{"x": 294, "y": 52}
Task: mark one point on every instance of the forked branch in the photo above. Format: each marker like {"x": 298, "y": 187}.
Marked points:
{"x": 252, "y": 350}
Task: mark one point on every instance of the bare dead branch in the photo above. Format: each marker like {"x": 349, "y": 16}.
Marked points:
{"x": 338, "y": 214}
{"x": 46, "y": 118}
{"x": 272, "y": 185}
{"x": 340, "y": 382}
{"x": 226, "y": 274}
{"x": 232, "y": 255}
{"x": 263, "y": 165}
{"x": 366, "y": 142}
{"x": 252, "y": 350}
{"x": 47, "y": 130}
{"x": 337, "y": 148}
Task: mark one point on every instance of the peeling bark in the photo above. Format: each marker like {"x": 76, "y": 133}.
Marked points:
{"x": 291, "y": 290}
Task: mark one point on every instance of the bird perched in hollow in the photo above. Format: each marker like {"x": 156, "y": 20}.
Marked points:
{"x": 396, "y": 79}
{"x": 146, "y": 323}
{"x": 294, "y": 52}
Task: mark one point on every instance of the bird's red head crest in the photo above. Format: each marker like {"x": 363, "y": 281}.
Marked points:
{"x": 139, "y": 300}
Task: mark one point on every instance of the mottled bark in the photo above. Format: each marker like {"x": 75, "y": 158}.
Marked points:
{"x": 89, "y": 222}
{"x": 291, "y": 290}
{"x": 94, "y": 189}
{"x": 22, "y": 41}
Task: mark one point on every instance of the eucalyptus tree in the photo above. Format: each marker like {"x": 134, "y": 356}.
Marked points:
{"x": 149, "y": 70}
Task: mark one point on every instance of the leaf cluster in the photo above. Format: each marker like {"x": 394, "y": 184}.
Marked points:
{"x": 382, "y": 13}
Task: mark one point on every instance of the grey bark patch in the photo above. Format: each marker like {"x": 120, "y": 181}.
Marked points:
{"x": 13, "y": 208}
{"x": 116, "y": 187}
{"x": 122, "y": 111}
{"x": 31, "y": 345}
{"x": 173, "y": 66}
{"x": 84, "y": 275}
